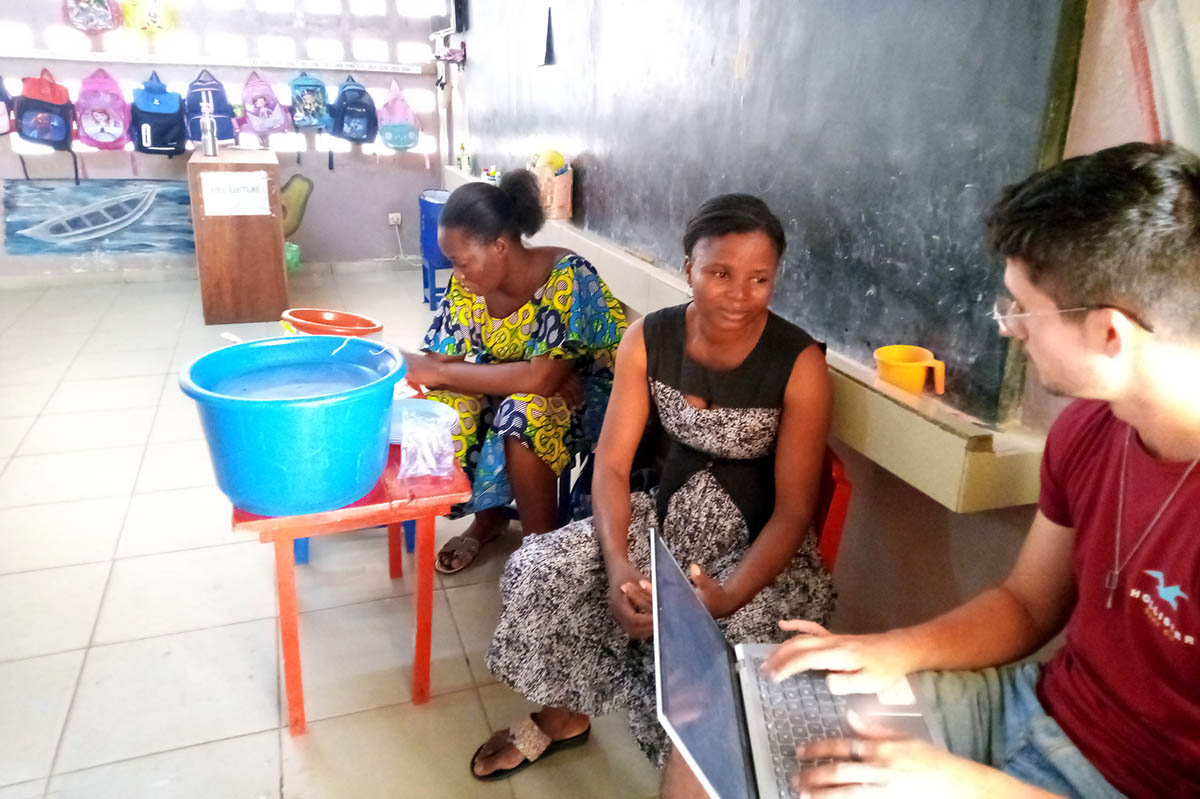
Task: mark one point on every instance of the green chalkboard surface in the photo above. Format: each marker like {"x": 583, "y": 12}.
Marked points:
{"x": 879, "y": 132}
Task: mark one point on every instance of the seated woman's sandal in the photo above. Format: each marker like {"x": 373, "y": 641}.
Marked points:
{"x": 530, "y": 740}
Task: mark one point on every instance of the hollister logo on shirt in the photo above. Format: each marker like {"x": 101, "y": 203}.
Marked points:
{"x": 1172, "y": 595}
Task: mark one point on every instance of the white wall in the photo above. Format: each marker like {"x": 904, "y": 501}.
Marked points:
{"x": 346, "y": 219}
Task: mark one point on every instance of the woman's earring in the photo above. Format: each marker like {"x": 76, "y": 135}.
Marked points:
{"x": 689, "y": 290}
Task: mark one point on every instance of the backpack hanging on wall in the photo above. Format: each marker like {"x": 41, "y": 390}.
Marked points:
{"x": 398, "y": 124}
{"x": 93, "y": 16}
{"x": 310, "y": 104}
{"x": 148, "y": 15}
{"x": 44, "y": 115}
{"x": 6, "y": 110}
{"x": 353, "y": 113}
{"x": 102, "y": 113}
{"x": 208, "y": 92}
{"x": 159, "y": 126}
{"x": 262, "y": 114}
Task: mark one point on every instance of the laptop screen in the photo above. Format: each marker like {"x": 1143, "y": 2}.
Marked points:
{"x": 696, "y": 701}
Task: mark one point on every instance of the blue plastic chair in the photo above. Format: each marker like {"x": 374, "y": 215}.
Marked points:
{"x": 432, "y": 259}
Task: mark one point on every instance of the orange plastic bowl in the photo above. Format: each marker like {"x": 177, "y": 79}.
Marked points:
{"x": 321, "y": 322}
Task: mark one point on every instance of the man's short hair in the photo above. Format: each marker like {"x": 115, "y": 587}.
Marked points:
{"x": 1120, "y": 227}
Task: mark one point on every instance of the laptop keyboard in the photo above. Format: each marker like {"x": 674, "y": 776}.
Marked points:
{"x": 797, "y": 710}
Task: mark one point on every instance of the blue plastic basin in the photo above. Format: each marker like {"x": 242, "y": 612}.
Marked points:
{"x": 296, "y": 424}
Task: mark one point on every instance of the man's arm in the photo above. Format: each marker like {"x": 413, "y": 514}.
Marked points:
{"x": 999, "y": 626}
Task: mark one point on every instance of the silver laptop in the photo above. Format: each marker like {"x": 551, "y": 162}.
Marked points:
{"x": 735, "y": 727}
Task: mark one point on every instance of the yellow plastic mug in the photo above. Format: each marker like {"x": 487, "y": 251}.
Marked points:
{"x": 904, "y": 365}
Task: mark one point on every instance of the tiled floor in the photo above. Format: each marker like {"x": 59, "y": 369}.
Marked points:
{"x": 139, "y": 652}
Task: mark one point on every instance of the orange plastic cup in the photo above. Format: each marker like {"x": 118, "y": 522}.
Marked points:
{"x": 904, "y": 365}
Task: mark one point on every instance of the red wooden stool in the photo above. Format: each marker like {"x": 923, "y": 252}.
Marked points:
{"x": 393, "y": 501}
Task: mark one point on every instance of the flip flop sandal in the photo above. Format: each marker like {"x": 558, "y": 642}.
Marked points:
{"x": 530, "y": 740}
{"x": 461, "y": 549}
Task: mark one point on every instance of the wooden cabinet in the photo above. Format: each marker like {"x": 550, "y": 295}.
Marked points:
{"x": 239, "y": 235}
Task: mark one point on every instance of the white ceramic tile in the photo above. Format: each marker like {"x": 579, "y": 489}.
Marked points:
{"x": 34, "y": 697}
{"x": 71, "y": 432}
{"x": 105, "y": 342}
{"x": 608, "y": 766}
{"x": 360, "y": 657}
{"x": 184, "y": 464}
{"x": 35, "y": 789}
{"x": 348, "y": 568}
{"x": 49, "y": 611}
{"x": 189, "y": 590}
{"x": 132, "y": 363}
{"x": 59, "y": 533}
{"x": 105, "y": 394}
{"x": 34, "y": 479}
{"x": 25, "y": 399}
{"x": 246, "y": 767}
{"x": 476, "y": 609}
{"x": 23, "y": 371}
{"x": 160, "y": 325}
{"x": 12, "y": 431}
{"x": 402, "y": 751}
{"x": 62, "y": 320}
{"x": 489, "y": 565}
{"x": 172, "y": 394}
{"x": 185, "y": 518}
{"x": 141, "y": 697}
{"x": 56, "y": 345}
{"x": 176, "y": 423}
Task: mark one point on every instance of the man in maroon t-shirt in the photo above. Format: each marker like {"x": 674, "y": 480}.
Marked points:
{"x": 1103, "y": 266}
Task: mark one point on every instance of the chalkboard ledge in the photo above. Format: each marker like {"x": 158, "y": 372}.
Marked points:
{"x": 938, "y": 450}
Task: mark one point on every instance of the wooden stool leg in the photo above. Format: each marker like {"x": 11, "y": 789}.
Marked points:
{"x": 396, "y": 550}
{"x": 285, "y": 584}
{"x": 424, "y": 609}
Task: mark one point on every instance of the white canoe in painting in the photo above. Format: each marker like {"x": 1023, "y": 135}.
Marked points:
{"x": 94, "y": 220}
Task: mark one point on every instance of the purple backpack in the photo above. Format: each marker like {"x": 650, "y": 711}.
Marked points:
{"x": 398, "y": 124}
{"x": 102, "y": 113}
{"x": 262, "y": 113}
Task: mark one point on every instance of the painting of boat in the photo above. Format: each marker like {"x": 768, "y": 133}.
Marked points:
{"x": 99, "y": 216}
{"x": 95, "y": 220}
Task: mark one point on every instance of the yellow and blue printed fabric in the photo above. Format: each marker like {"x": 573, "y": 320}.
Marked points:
{"x": 572, "y": 316}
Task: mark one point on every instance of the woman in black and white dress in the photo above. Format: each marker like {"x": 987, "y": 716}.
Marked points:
{"x": 740, "y": 399}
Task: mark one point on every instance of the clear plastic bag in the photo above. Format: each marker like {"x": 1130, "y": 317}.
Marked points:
{"x": 422, "y": 429}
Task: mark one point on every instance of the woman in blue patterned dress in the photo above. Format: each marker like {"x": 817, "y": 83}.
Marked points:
{"x": 522, "y": 347}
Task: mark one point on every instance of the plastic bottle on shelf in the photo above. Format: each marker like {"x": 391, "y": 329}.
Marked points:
{"x": 464, "y": 158}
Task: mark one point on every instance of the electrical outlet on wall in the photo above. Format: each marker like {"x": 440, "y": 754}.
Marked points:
{"x": 394, "y": 218}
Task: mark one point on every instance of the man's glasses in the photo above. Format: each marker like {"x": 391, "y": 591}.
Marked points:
{"x": 1010, "y": 316}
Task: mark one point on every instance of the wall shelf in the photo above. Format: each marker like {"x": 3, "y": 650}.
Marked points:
{"x": 154, "y": 59}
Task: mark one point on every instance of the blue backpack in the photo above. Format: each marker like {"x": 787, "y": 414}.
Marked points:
{"x": 206, "y": 92}
{"x": 354, "y": 117}
{"x": 159, "y": 126}
{"x": 310, "y": 104}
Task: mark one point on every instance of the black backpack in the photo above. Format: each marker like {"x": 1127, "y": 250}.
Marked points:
{"x": 45, "y": 115}
{"x": 159, "y": 125}
{"x": 354, "y": 116}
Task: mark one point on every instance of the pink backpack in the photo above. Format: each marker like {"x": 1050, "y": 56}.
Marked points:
{"x": 102, "y": 113}
{"x": 262, "y": 114}
{"x": 398, "y": 124}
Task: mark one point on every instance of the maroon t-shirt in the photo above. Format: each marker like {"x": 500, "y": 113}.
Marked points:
{"x": 1126, "y": 686}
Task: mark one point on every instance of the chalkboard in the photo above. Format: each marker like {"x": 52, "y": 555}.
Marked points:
{"x": 879, "y": 131}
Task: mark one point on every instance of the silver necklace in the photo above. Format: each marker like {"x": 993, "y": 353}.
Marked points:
{"x": 1110, "y": 582}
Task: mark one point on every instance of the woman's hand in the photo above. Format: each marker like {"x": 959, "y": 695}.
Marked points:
{"x": 629, "y": 600}
{"x": 571, "y": 390}
{"x": 423, "y": 370}
{"x": 714, "y": 596}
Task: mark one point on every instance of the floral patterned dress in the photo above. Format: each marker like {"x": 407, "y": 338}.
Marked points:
{"x": 572, "y": 316}
{"x": 557, "y": 643}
